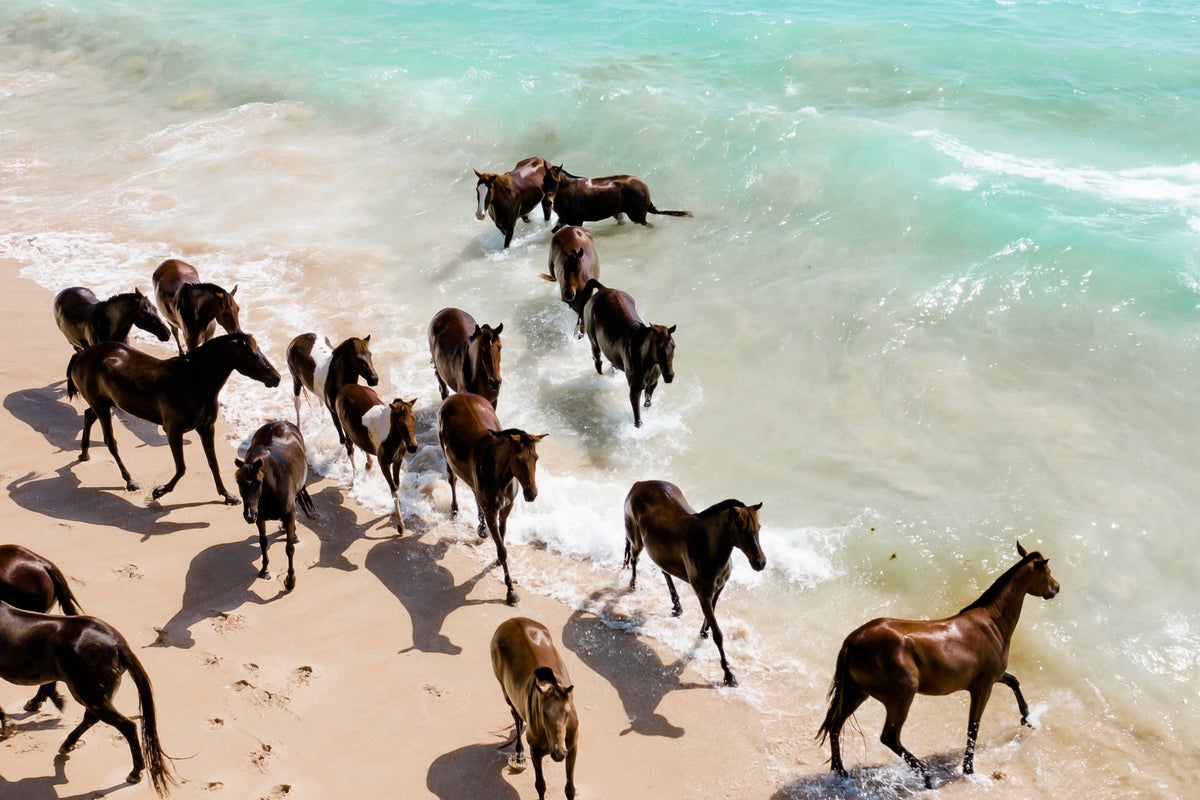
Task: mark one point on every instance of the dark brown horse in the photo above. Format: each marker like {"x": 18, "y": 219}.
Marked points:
{"x": 466, "y": 355}
{"x": 490, "y": 460}
{"x": 192, "y": 306}
{"x": 85, "y": 319}
{"x": 180, "y": 394}
{"x": 693, "y": 546}
{"x": 643, "y": 352}
{"x": 271, "y": 481}
{"x": 893, "y": 660}
{"x": 323, "y": 369}
{"x": 384, "y": 430}
{"x": 33, "y": 583}
{"x": 579, "y": 200}
{"x": 89, "y": 656}
{"x": 573, "y": 262}
{"x": 538, "y": 691}
{"x": 509, "y": 195}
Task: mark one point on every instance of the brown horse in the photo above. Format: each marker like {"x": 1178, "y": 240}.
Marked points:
{"x": 643, "y": 352}
{"x": 33, "y": 583}
{"x": 88, "y": 655}
{"x": 538, "y": 691}
{"x": 194, "y": 307}
{"x": 893, "y": 660}
{"x": 573, "y": 262}
{"x": 466, "y": 355}
{"x": 490, "y": 460}
{"x": 694, "y": 547}
{"x": 579, "y": 200}
{"x": 506, "y": 196}
{"x": 323, "y": 369}
{"x": 180, "y": 394}
{"x": 85, "y": 319}
{"x": 271, "y": 481}
{"x": 385, "y": 431}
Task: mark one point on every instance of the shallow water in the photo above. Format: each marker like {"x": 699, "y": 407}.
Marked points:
{"x": 938, "y": 295}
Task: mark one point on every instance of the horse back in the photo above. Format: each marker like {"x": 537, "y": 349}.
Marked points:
{"x": 172, "y": 274}
{"x": 126, "y": 377}
{"x": 25, "y": 580}
{"x": 465, "y": 421}
{"x": 610, "y": 319}
{"x": 449, "y": 340}
{"x": 519, "y": 648}
{"x": 38, "y": 648}
{"x": 657, "y": 513}
{"x": 73, "y": 310}
{"x": 281, "y": 447}
{"x": 352, "y": 404}
{"x": 300, "y": 361}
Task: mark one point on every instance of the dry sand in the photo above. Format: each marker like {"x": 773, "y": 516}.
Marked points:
{"x": 371, "y": 679}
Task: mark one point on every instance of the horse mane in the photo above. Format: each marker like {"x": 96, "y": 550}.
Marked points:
{"x": 724, "y": 505}
{"x": 990, "y": 594}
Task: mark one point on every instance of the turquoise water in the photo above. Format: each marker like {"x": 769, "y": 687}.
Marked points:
{"x": 939, "y": 292}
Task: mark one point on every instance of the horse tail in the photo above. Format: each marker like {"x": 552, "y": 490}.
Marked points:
{"x": 62, "y": 592}
{"x": 71, "y": 389}
{"x": 305, "y": 502}
{"x": 654, "y": 210}
{"x": 157, "y": 762}
{"x": 835, "y": 716}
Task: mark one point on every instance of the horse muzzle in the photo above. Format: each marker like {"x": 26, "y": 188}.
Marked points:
{"x": 480, "y": 215}
{"x": 758, "y": 564}
{"x": 530, "y": 495}
{"x": 250, "y": 515}
{"x": 568, "y": 295}
{"x": 668, "y": 377}
{"x": 558, "y": 754}
{"x": 373, "y": 380}
{"x": 412, "y": 448}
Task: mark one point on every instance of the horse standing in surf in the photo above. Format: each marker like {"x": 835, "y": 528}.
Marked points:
{"x": 578, "y": 200}
{"x": 193, "y": 306}
{"x": 322, "y": 369}
{"x": 85, "y": 319}
{"x": 507, "y": 196}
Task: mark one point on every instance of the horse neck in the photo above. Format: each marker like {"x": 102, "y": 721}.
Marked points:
{"x": 1004, "y": 599}
{"x": 117, "y": 314}
{"x": 493, "y": 462}
{"x": 341, "y": 369}
{"x": 716, "y": 536}
{"x": 209, "y": 366}
{"x": 195, "y": 300}
{"x": 472, "y": 356}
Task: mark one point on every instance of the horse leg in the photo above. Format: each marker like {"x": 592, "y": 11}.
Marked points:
{"x": 453, "y": 490}
{"x": 707, "y": 603}
{"x": 851, "y": 700}
{"x": 110, "y": 440}
{"x": 979, "y": 700}
{"x": 508, "y": 233}
{"x": 1010, "y": 680}
{"x": 337, "y": 425}
{"x": 897, "y": 713}
{"x": 289, "y": 546}
{"x": 397, "y": 519}
{"x": 631, "y": 551}
{"x": 676, "y": 609}
{"x": 539, "y": 779}
{"x": 296, "y": 387}
{"x": 175, "y": 441}
{"x": 704, "y": 626}
{"x": 442, "y": 390}
{"x": 206, "y": 440}
{"x": 45, "y": 692}
{"x": 350, "y": 455}
{"x": 596, "y": 356}
{"x": 546, "y": 210}
{"x": 263, "y": 545}
{"x": 650, "y": 387}
{"x": 175, "y": 333}
{"x": 128, "y": 729}
{"x": 89, "y": 719}
{"x": 496, "y": 526}
{"x": 635, "y": 396}
{"x": 519, "y": 758}
{"x": 570, "y": 788}
{"x": 89, "y": 417}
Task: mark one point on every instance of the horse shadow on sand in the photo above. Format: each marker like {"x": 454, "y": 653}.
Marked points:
{"x": 469, "y": 773}
{"x": 45, "y": 786}
{"x": 631, "y": 666}
{"x": 336, "y": 527}
{"x": 873, "y": 783}
{"x": 47, "y": 411}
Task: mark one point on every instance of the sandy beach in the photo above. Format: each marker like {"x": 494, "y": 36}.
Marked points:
{"x": 371, "y": 679}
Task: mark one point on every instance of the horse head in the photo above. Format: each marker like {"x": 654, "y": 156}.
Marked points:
{"x": 662, "y": 350}
{"x": 361, "y": 360}
{"x": 404, "y": 422}
{"x": 226, "y": 309}
{"x": 1042, "y": 584}
{"x": 146, "y": 317}
{"x": 485, "y": 344}
{"x": 551, "y": 710}
{"x": 572, "y": 274}
{"x": 250, "y": 485}
{"x": 551, "y": 179}
{"x": 522, "y": 459}
{"x": 250, "y": 361}
{"x": 483, "y": 189}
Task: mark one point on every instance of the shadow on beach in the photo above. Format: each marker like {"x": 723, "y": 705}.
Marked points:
{"x": 43, "y": 786}
{"x": 473, "y": 772}
{"x": 47, "y": 411}
{"x": 887, "y": 782}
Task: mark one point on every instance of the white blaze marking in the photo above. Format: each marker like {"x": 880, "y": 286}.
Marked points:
{"x": 322, "y": 355}
{"x": 378, "y": 421}
{"x": 482, "y": 190}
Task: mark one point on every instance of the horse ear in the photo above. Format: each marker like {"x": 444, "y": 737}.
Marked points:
{"x": 367, "y": 338}
{"x": 478, "y": 174}
{"x": 538, "y": 438}
{"x": 233, "y": 291}
{"x": 671, "y": 329}
{"x": 237, "y": 462}
{"x": 328, "y": 343}
{"x": 568, "y": 689}
{"x": 412, "y": 402}
{"x": 475, "y": 333}
{"x": 258, "y": 465}
{"x": 756, "y": 506}
{"x": 499, "y": 328}
{"x": 1021, "y": 550}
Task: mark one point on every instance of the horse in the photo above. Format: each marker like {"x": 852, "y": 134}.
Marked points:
{"x": 538, "y": 691}
{"x": 192, "y": 306}
{"x": 385, "y": 431}
{"x": 466, "y": 355}
{"x": 578, "y": 200}
{"x": 85, "y": 319}
{"x": 271, "y": 481}
{"x": 490, "y": 460}
{"x": 506, "y": 196}
{"x": 88, "y": 655}
{"x": 643, "y": 352}
{"x": 572, "y": 263}
{"x": 33, "y": 583}
{"x": 323, "y": 369}
{"x": 180, "y": 394}
{"x": 693, "y": 546}
{"x": 893, "y": 660}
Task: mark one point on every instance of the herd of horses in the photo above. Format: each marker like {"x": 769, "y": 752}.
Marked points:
{"x": 887, "y": 659}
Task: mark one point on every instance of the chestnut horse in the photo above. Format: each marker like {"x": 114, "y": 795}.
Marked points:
{"x": 194, "y": 307}
{"x": 693, "y": 546}
{"x": 85, "y": 319}
{"x": 271, "y": 482}
{"x": 385, "y": 431}
{"x": 466, "y": 355}
{"x": 643, "y": 352}
{"x": 893, "y": 660}
{"x": 180, "y": 394}
{"x": 34, "y": 583}
{"x": 89, "y": 656}
{"x": 490, "y": 460}
{"x": 538, "y": 691}
{"x": 572, "y": 263}
{"x": 321, "y": 368}
{"x": 579, "y": 200}
{"x": 506, "y": 196}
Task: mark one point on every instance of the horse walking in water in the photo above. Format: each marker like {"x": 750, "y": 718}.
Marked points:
{"x": 693, "y": 546}
{"x": 321, "y": 368}
{"x": 466, "y": 355}
{"x": 271, "y": 481}
{"x": 490, "y": 460}
{"x": 89, "y": 656}
{"x": 579, "y": 200}
{"x": 180, "y": 394}
{"x": 538, "y": 691}
{"x": 643, "y": 352}
{"x": 509, "y": 195}
{"x": 33, "y": 583}
{"x": 893, "y": 660}
{"x": 573, "y": 263}
{"x": 192, "y": 306}
{"x": 385, "y": 431}
{"x": 85, "y": 319}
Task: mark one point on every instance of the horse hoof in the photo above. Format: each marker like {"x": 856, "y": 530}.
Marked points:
{"x": 511, "y": 598}
{"x": 483, "y": 534}
{"x": 677, "y": 612}
{"x": 289, "y": 583}
{"x": 229, "y": 499}
{"x": 84, "y": 457}
{"x": 730, "y": 680}
{"x": 134, "y": 777}
{"x": 262, "y": 573}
